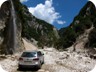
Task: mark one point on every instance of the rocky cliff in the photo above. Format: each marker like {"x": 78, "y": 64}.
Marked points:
{"x": 17, "y": 22}
{"x": 10, "y": 27}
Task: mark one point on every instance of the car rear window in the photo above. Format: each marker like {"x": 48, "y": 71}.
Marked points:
{"x": 29, "y": 54}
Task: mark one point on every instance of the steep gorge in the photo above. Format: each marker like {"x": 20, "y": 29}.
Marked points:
{"x": 19, "y": 22}
{"x": 16, "y": 22}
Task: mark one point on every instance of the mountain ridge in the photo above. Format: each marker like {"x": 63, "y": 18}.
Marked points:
{"x": 83, "y": 21}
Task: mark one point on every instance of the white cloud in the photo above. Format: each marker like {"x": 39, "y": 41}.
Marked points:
{"x": 94, "y": 1}
{"x": 23, "y": 1}
{"x": 45, "y": 12}
{"x": 61, "y": 22}
{"x": 2, "y": 1}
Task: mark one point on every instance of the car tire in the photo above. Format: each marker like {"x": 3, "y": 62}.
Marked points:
{"x": 19, "y": 67}
{"x": 43, "y": 62}
{"x": 39, "y": 66}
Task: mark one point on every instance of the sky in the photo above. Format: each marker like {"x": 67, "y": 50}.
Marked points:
{"x": 1, "y": 1}
{"x": 59, "y": 13}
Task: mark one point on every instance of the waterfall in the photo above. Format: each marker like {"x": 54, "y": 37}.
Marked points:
{"x": 13, "y": 27}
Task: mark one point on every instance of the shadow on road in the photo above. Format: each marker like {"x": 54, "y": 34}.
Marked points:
{"x": 28, "y": 69}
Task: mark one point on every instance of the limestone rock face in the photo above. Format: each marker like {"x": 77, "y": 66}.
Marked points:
{"x": 6, "y": 30}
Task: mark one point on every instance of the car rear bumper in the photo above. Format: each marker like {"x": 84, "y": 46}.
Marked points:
{"x": 27, "y": 66}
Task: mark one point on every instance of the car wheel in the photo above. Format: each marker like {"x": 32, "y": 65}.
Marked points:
{"x": 19, "y": 67}
{"x": 43, "y": 62}
{"x": 39, "y": 66}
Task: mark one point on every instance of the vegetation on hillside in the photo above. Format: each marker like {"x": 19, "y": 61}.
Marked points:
{"x": 44, "y": 33}
{"x": 35, "y": 28}
{"x": 83, "y": 21}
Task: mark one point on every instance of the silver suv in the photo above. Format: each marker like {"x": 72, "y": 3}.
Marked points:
{"x": 30, "y": 59}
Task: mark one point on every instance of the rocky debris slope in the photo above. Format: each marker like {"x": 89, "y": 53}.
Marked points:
{"x": 81, "y": 41}
{"x": 9, "y": 62}
{"x": 55, "y": 61}
{"x": 67, "y": 61}
{"x": 28, "y": 45}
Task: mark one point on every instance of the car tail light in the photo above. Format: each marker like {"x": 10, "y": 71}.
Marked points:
{"x": 36, "y": 59}
{"x": 20, "y": 59}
